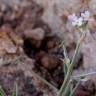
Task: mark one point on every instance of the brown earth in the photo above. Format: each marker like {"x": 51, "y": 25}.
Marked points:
{"x": 27, "y": 45}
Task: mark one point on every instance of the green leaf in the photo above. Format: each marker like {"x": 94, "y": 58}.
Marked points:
{"x": 65, "y": 69}
{"x": 2, "y": 92}
{"x": 15, "y": 91}
{"x": 67, "y": 90}
{"x": 74, "y": 89}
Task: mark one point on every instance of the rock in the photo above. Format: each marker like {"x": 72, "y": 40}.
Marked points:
{"x": 1, "y": 61}
{"x": 55, "y": 10}
{"x": 9, "y": 48}
{"x": 36, "y": 34}
{"x": 30, "y": 88}
{"x": 35, "y": 43}
{"x": 86, "y": 88}
{"x": 39, "y": 55}
{"x": 6, "y": 44}
{"x": 49, "y": 61}
{"x": 92, "y": 6}
{"x": 50, "y": 44}
{"x": 89, "y": 52}
{"x": 81, "y": 93}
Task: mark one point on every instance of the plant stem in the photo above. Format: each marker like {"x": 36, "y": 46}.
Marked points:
{"x": 83, "y": 75}
{"x": 73, "y": 91}
{"x": 65, "y": 52}
{"x": 68, "y": 76}
{"x": 46, "y": 82}
{"x": 67, "y": 88}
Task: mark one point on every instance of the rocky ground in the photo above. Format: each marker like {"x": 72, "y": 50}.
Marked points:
{"x": 30, "y": 34}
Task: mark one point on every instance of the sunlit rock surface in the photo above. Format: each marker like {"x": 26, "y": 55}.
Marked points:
{"x": 55, "y": 14}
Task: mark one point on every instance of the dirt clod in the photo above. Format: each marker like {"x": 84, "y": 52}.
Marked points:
{"x": 49, "y": 61}
{"x": 36, "y": 34}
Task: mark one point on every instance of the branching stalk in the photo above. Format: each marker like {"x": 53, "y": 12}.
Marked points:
{"x": 68, "y": 76}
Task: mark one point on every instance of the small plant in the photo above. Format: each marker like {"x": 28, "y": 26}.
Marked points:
{"x": 14, "y": 92}
{"x": 81, "y": 23}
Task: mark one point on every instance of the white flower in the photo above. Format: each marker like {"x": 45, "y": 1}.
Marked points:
{"x": 85, "y": 15}
{"x": 78, "y": 22}
{"x": 75, "y": 20}
{"x": 84, "y": 18}
{"x": 72, "y": 17}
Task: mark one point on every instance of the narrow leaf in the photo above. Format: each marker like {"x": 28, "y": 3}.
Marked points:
{"x": 2, "y": 92}
{"x": 15, "y": 91}
{"x": 65, "y": 69}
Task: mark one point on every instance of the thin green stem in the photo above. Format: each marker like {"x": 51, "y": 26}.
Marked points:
{"x": 2, "y": 93}
{"x": 68, "y": 76}
{"x": 67, "y": 88}
{"x": 46, "y": 82}
{"x": 15, "y": 90}
{"x": 73, "y": 91}
{"x": 83, "y": 75}
{"x": 65, "y": 52}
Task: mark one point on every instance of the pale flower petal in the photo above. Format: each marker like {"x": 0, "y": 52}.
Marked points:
{"x": 72, "y": 17}
{"x": 85, "y": 15}
{"x": 74, "y": 23}
{"x": 80, "y": 21}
